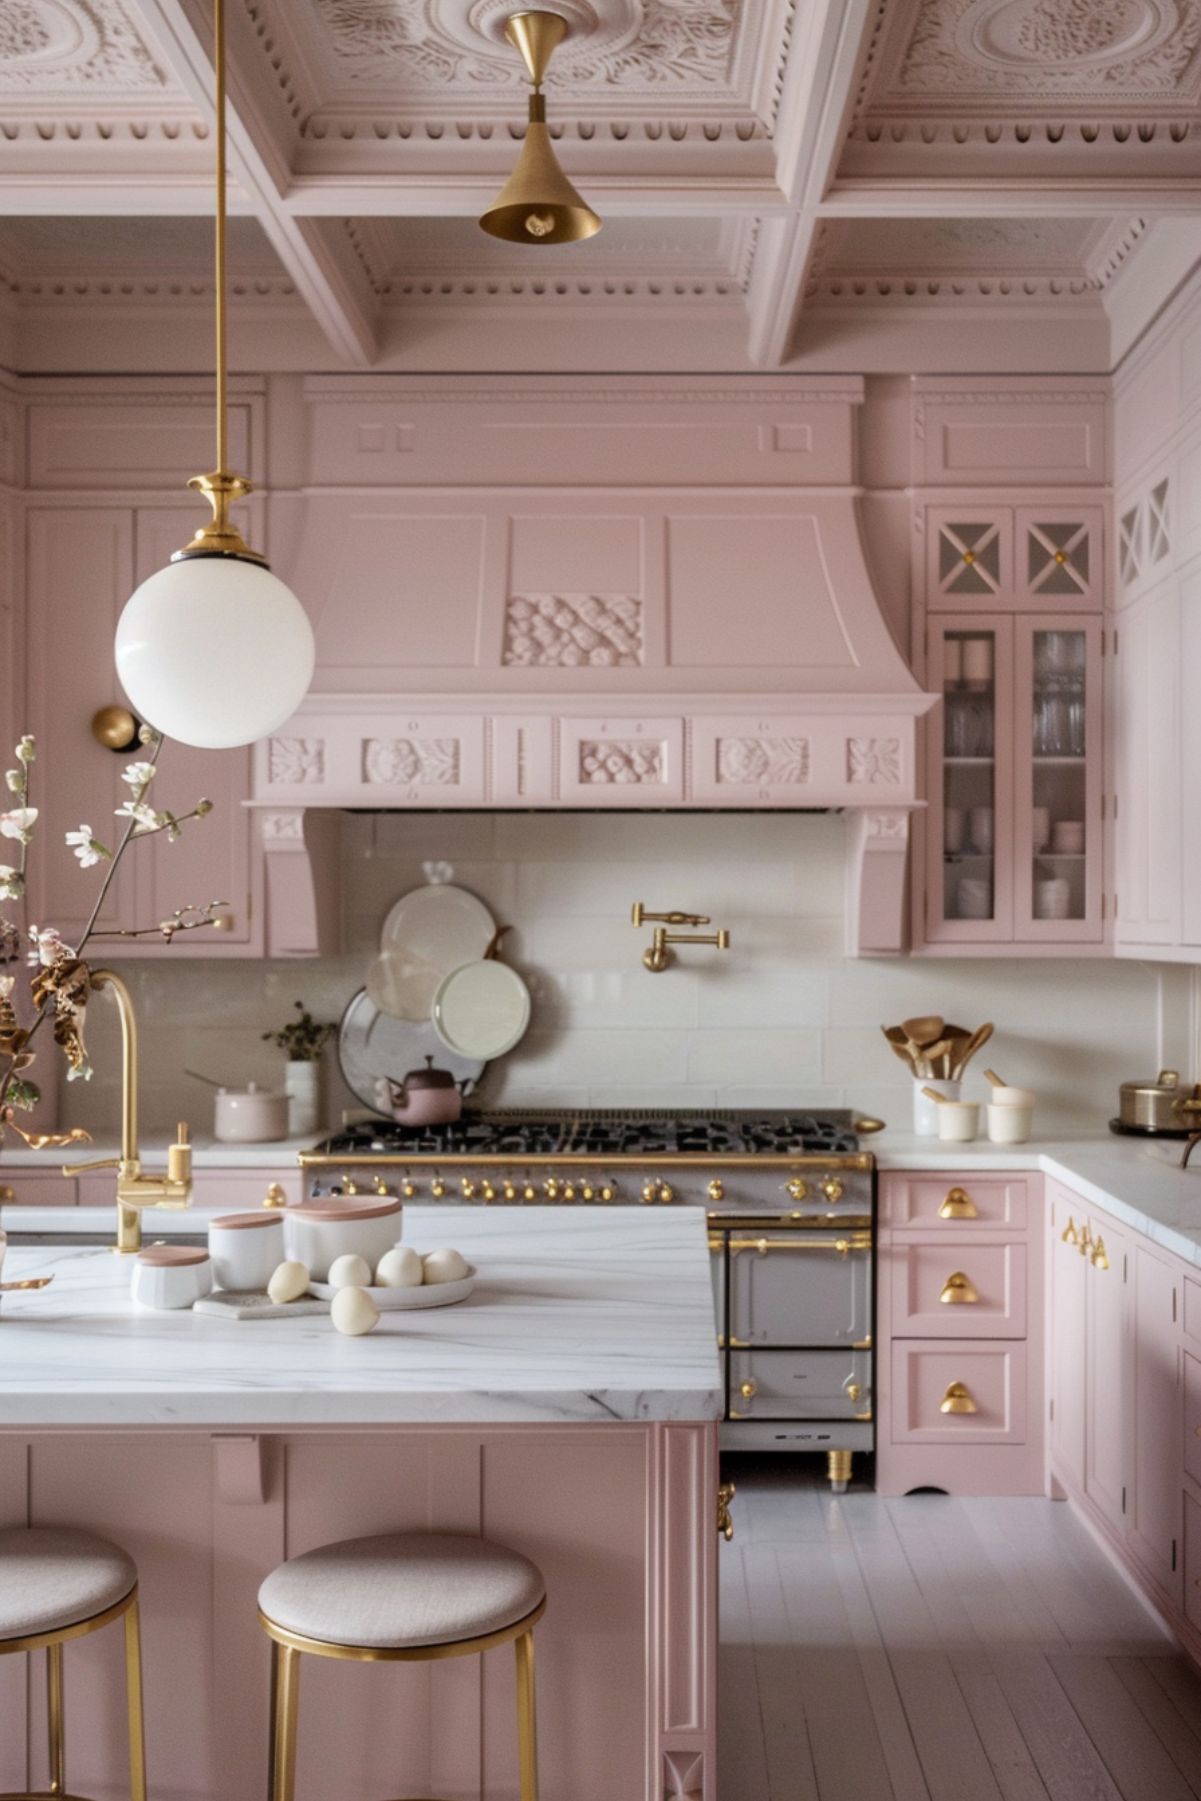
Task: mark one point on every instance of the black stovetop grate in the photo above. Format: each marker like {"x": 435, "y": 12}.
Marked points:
{"x": 606, "y": 1132}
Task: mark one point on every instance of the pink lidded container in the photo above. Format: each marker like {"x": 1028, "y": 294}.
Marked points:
{"x": 315, "y": 1232}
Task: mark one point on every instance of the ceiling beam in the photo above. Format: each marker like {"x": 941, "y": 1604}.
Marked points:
{"x": 823, "y": 65}
{"x": 327, "y": 278}
{"x": 1091, "y": 198}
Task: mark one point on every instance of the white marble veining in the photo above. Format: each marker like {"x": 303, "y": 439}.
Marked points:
{"x": 577, "y": 1316}
{"x": 1138, "y": 1180}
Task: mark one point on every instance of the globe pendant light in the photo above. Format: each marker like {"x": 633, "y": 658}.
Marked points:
{"x": 538, "y": 205}
{"x": 214, "y": 650}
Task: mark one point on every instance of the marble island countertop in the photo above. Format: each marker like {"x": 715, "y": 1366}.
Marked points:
{"x": 577, "y": 1316}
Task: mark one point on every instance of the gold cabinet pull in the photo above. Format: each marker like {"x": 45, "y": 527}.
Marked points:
{"x": 725, "y": 1523}
{"x": 748, "y": 1389}
{"x": 860, "y": 1241}
{"x": 958, "y": 1205}
{"x": 7, "y": 1195}
{"x": 1069, "y": 1235}
{"x": 958, "y": 1399}
{"x": 957, "y": 1291}
{"x": 1084, "y": 1242}
{"x": 1100, "y": 1256}
{"x": 853, "y": 1390}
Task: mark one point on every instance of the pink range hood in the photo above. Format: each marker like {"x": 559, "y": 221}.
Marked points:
{"x": 652, "y": 637}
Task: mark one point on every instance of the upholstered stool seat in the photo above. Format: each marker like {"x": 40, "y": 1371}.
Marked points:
{"x": 401, "y": 1597}
{"x": 56, "y": 1584}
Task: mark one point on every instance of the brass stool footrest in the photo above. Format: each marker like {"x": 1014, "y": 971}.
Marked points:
{"x": 41, "y": 1794}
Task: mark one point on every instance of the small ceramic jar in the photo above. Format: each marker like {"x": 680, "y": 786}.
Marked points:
{"x": 250, "y": 1115}
{"x": 246, "y": 1249}
{"x": 957, "y": 1121}
{"x": 167, "y": 1276}
{"x": 1008, "y": 1124}
{"x": 315, "y": 1232}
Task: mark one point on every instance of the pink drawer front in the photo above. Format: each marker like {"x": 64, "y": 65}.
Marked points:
{"x": 954, "y": 1203}
{"x": 1192, "y": 1310}
{"x": 957, "y": 1287}
{"x": 1192, "y": 1418}
{"x": 36, "y": 1188}
{"x": 982, "y": 1386}
{"x": 232, "y": 1190}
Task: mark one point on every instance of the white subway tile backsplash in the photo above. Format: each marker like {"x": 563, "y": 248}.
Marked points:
{"x": 783, "y": 1019}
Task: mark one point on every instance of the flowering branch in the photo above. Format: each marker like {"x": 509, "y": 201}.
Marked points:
{"x": 61, "y": 980}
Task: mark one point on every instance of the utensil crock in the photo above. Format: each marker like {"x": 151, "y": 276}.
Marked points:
{"x": 926, "y": 1111}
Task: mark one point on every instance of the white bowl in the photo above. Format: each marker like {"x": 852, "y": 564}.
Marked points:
{"x": 316, "y": 1232}
{"x": 958, "y": 1121}
{"x": 1012, "y": 1097}
{"x": 1009, "y": 1125}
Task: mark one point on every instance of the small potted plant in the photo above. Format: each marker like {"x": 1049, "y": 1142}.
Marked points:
{"x": 302, "y": 1041}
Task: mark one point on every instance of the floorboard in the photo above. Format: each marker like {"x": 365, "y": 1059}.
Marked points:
{"x": 931, "y": 1649}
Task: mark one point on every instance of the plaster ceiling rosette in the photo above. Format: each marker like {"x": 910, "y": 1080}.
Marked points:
{"x": 76, "y": 48}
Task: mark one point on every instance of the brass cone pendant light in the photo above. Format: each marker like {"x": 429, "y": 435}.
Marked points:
{"x": 538, "y": 205}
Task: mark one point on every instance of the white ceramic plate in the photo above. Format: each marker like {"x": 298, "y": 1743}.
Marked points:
{"x": 403, "y": 986}
{"x": 397, "y": 1300}
{"x": 482, "y": 1010}
{"x": 440, "y": 926}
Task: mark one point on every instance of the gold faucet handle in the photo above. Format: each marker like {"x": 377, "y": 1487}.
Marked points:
{"x": 640, "y": 915}
{"x": 179, "y": 1157}
{"x": 79, "y": 1169}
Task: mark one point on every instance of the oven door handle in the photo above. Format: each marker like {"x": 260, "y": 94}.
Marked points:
{"x": 860, "y": 1241}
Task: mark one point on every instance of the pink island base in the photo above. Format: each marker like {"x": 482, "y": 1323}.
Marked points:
{"x": 618, "y": 1516}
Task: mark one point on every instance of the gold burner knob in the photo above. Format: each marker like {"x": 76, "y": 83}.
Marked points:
{"x": 650, "y": 1192}
{"x": 551, "y": 1188}
{"x": 798, "y": 1188}
{"x": 529, "y": 1192}
{"x": 717, "y": 1189}
{"x": 748, "y": 1390}
{"x": 437, "y": 1188}
{"x": 666, "y": 1193}
{"x": 488, "y": 1191}
{"x": 509, "y": 1192}
{"x": 833, "y": 1189}
{"x": 587, "y": 1192}
{"x": 408, "y": 1188}
{"x": 608, "y": 1192}
{"x": 569, "y": 1191}
{"x": 467, "y": 1188}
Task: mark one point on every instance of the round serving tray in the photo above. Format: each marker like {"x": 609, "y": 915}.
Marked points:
{"x": 401, "y": 1300}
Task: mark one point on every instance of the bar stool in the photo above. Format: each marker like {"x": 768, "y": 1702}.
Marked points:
{"x": 57, "y": 1584}
{"x": 405, "y": 1597}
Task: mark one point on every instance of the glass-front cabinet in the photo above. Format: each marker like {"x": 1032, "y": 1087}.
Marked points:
{"x": 1014, "y": 834}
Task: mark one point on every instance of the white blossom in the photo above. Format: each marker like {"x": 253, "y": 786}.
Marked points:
{"x": 18, "y": 823}
{"x": 139, "y": 775}
{"x": 88, "y": 849}
{"x": 145, "y": 818}
{"x": 15, "y": 781}
{"x": 25, "y": 750}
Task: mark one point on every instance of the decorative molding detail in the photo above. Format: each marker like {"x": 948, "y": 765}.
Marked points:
{"x": 94, "y": 288}
{"x": 283, "y": 828}
{"x": 347, "y": 127}
{"x": 296, "y": 762}
{"x": 411, "y": 762}
{"x": 78, "y": 46}
{"x": 803, "y": 392}
{"x": 874, "y": 762}
{"x": 608, "y": 761}
{"x": 892, "y": 824}
{"x": 766, "y": 761}
{"x": 687, "y": 288}
{"x": 573, "y": 631}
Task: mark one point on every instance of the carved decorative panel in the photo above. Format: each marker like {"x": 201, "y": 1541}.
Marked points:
{"x": 1058, "y": 559}
{"x": 280, "y": 828}
{"x": 766, "y": 761}
{"x": 576, "y": 631}
{"x": 396, "y": 762}
{"x": 82, "y": 46}
{"x": 969, "y": 557}
{"x": 874, "y": 762}
{"x": 620, "y": 762}
{"x": 296, "y": 762}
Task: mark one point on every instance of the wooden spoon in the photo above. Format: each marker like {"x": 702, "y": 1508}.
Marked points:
{"x": 990, "y": 1075}
{"x": 979, "y": 1038}
{"x": 932, "y": 1094}
{"x": 926, "y": 1029}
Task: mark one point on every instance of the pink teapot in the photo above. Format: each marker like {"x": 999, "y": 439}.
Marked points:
{"x": 426, "y": 1097}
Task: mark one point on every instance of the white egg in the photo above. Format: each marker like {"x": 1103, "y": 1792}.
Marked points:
{"x": 353, "y": 1312}
{"x": 288, "y": 1283}
{"x": 399, "y": 1268}
{"x": 350, "y": 1271}
{"x": 444, "y": 1266}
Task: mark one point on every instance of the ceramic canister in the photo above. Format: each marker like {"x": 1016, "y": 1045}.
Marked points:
{"x": 166, "y": 1276}
{"x": 246, "y": 1249}
{"x": 315, "y": 1232}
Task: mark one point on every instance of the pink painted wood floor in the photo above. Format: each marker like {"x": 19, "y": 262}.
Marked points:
{"x": 930, "y": 1649}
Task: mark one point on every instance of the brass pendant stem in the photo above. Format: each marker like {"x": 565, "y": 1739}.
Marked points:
{"x": 219, "y": 235}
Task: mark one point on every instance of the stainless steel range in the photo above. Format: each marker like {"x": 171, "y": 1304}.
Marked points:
{"x": 791, "y": 1208}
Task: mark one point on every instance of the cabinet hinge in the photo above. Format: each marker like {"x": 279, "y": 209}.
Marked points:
{"x": 1125, "y": 1266}
{"x": 1123, "y": 1497}
{"x": 1173, "y": 1554}
{"x": 249, "y": 910}
{"x": 1102, "y": 904}
{"x": 1051, "y": 1409}
{"x": 1115, "y": 806}
{"x": 1173, "y": 1306}
{"x": 1115, "y": 640}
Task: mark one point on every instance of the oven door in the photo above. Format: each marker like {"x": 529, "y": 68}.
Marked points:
{"x": 800, "y": 1288}
{"x": 800, "y": 1385}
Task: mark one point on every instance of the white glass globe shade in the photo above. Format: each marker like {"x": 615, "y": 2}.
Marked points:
{"x": 214, "y": 651}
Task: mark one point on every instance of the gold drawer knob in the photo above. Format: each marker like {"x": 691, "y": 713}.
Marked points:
{"x": 958, "y": 1399}
{"x": 748, "y": 1390}
{"x": 1100, "y": 1256}
{"x": 958, "y": 1205}
{"x": 957, "y": 1291}
{"x": 1069, "y": 1235}
{"x": 274, "y": 1197}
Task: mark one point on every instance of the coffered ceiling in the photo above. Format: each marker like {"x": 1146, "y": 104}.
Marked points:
{"x": 864, "y": 184}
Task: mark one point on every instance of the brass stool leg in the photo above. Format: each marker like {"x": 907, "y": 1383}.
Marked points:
{"x": 287, "y": 1697}
{"x": 527, "y": 1731}
{"x": 133, "y": 1697}
{"x": 54, "y": 1716}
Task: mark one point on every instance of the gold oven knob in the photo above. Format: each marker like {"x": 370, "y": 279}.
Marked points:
{"x": 797, "y": 1188}
{"x": 488, "y": 1191}
{"x": 437, "y": 1188}
{"x": 587, "y": 1192}
{"x": 550, "y": 1188}
{"x": 832, "y": 1188}
{"x": 666, "y": 1193}
{"x": 408, "y": 1188}
{"x": 748, "y": 1390}
{"x": 717, "y": 1189}
{"x": 608, "y": 1192}
{"x": 509, "y": 1192}
{"x": 650, "y": 1191}
{"x": 529, "y": 1192}
{"x": 467, "y": 1188}
{"x": 569, "y": 1191}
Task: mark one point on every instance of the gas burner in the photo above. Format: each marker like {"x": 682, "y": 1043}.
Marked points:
{"x": 606, "y": 1135}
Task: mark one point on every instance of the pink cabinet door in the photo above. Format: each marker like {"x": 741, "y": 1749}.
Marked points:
{"x": 969, "y": 825}
{"x": 957, "y": 1287}
{"x": 1058, "y": 766}
{"x": 1192, "y": 1417}
{"x": 1192, "y": 1562}
{"x": 1153, "y": 1509}
{"x": 961, "y": 1393}
{"x": 1145, "y": 728}
{"x": 1107, "y": 1446}
{"x": 952, "y": 1203}
{"x": 1069, "y": 1273}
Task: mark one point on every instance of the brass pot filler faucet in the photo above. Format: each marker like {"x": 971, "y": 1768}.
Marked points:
{"x": 658, "y": 957}
{"x": 135, "y": 1190}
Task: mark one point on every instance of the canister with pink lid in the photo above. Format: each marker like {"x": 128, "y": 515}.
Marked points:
{"x": 316, "y": 1232}
{"x": 246, "y": 1249}
{"x": 167, "y": 1276}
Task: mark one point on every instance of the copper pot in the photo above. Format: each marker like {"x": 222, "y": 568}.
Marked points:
{"x": 1164, "y": 1105}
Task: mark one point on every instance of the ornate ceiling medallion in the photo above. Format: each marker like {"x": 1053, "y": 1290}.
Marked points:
{"x": 48, "y": 45}
{"x": 1074, "y": 49}
{"x": 1044, "y": 33}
